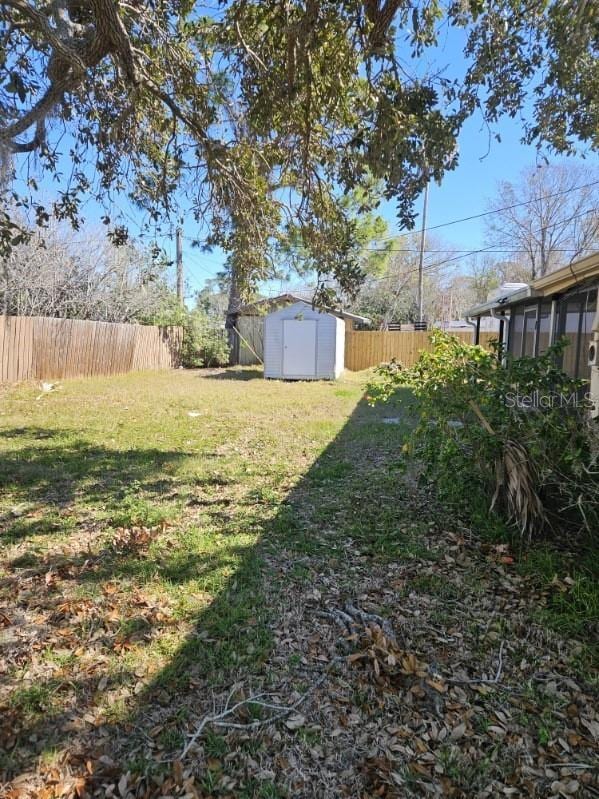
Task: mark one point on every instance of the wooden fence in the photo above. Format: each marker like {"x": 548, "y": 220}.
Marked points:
{"x": 35, "y": 347}
{"x": 369, "y": 348}
{"x": 251, "y": 330}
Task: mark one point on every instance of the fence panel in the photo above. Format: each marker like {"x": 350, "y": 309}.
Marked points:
{"x": 15, "y": 337}
{"x": 251, "y": 329}
{"x": 367, "y": 348}
{"x": 43, "y": 348}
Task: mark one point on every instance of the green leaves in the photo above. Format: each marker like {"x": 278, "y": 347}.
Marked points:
{"x": 475, "y": 411}
{"x": 267, "y": 112}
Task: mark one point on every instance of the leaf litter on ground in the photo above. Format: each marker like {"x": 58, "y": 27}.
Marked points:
{"x": 423, "y": 672}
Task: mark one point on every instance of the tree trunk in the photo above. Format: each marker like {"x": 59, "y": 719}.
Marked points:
{"x": 231, "y": 319}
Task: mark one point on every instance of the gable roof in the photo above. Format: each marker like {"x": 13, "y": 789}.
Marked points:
{"x": 259, "y": 307}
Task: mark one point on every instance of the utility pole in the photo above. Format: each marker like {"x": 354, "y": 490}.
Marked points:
{"x": 421, "y": 258}
{"x": 179, "y": 247}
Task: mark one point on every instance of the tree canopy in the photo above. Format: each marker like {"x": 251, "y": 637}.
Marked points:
{"x": 81, "y": 275}
{"x": 551, "y": 215}
{"x": 255, "y": 115}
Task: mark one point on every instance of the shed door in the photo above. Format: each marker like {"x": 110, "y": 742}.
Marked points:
{"x": 299, "y": 347}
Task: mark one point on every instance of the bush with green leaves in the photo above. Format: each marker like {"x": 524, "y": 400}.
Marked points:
{"x": 205, "y": 340}
{"x": 512, "y": 437}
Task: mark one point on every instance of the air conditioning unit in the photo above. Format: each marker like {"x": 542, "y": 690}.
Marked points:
{"x": 594, "y": 352}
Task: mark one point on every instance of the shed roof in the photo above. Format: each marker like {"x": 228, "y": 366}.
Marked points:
{"x": 258, "y": 307}
{"x": 554, "y": 283}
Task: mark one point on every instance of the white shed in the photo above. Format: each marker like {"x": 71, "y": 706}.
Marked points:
{"x": 304, "y": 343}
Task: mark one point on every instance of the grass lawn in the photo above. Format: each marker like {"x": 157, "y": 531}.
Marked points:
{"x": 172, "y": 541}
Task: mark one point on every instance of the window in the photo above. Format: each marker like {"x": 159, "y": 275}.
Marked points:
{"x": 530, "y": 332}
{"x": 544, "y": 329}
{"x": 516, "y": 331}
{"x": 530, "y": 328}
{"x": 570, "y": 322}
{"x": 586, "y": 334}
{"x": 523, "y": 331}
{"x": 576, "y": 321}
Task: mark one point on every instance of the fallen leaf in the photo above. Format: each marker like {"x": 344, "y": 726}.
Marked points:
{"x": 123, "y": 782}
{"x": 295, "y": 721}
{"x": 458, "y": 732}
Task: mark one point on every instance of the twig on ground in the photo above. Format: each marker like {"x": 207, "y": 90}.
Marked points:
{"x": 218, "y": 719}
{"x": 372, "y": 618}
{"x": 352, "y": 618}
{"x": 588, "y": 766}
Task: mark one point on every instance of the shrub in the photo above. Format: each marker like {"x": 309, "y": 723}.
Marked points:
{"x": 205, "y": 341}
{"x": 514, "y": 437}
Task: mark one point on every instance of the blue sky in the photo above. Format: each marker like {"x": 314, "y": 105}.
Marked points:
{"x": 466, "y": 191}
{"x": 483, "y": 161}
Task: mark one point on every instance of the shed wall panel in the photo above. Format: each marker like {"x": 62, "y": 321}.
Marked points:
{"x": 326, "y": 342}
{"x": 339, "y": 347}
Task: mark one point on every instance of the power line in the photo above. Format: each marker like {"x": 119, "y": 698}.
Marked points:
{"x": 195, "y": 243}
{"x": 204, "y": 257}
{"x": 201, "y": 268}
{"x": 470, "y": 218}
{"x": 545, "y": 227}
{"x": 456, "y": 254}
{"x": 485, "y": 249}
{"x": 500, "y": 210}
{"x": 195, "y": 276}
{"x": 441, "y": 250}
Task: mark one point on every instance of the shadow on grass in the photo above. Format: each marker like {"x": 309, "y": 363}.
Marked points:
{"x": 351, "y": 493}
{"x": 61, "y": 469}
{"x": 245, "y": 373}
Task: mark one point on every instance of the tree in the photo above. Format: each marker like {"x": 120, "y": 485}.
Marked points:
{"x": 81, "y": 275}
{"x": 484, "y": 275}
{"x": 266, "y": 111}
{"x": 369, "y": 246}
{"x": 390, "y": 295}
{"x": 513, "y": 270}
{"x": 551, "y": 216}
{"x": 213, "y": 298}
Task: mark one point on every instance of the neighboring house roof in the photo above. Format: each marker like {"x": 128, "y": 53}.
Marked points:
{"x": 554, "y": 283}
{"x": 259, "y": 307}
{"x": 504, "y": 297}
{"x": 488, "y": 324}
